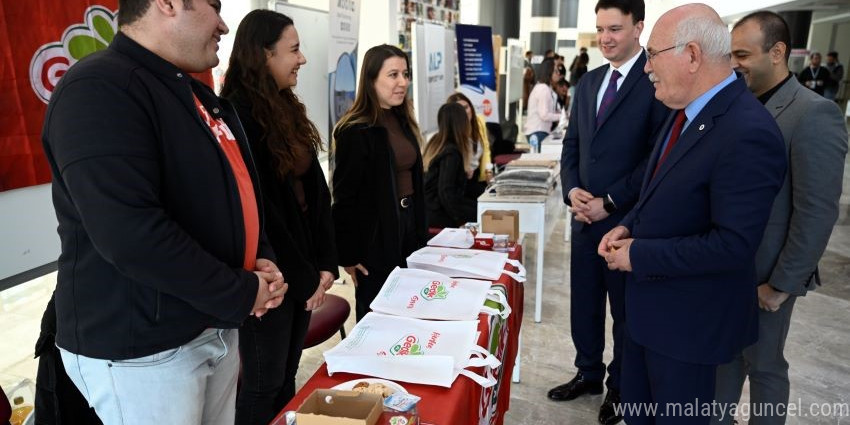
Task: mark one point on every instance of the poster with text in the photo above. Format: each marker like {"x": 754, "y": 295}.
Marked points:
{"x": 344, "y": 20}
{"x": 477, "y": 70}
{"x": 435, "y": 51}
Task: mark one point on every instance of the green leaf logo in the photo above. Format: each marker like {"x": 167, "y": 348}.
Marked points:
{"x": 435, "y": 290}
{"x": 79, "y": 40}
{"x": 407, "y": 346}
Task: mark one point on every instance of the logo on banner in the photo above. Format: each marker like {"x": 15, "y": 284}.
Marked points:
{"x": 52, "y": 60}
{"x": 435, "y": 61}
{"x": 435, "y": 291}
{"x": 407, "y": 346}
{"x": 488, "y": 107}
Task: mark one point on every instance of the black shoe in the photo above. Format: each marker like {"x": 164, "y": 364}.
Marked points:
{"x": 607, "y": 414}
{"x": 575, "y": 388}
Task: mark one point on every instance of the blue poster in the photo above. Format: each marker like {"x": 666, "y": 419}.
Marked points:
{"x": 477, "y": 69}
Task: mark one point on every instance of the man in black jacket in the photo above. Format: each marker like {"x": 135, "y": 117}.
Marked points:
{"x": 163, "y": 254}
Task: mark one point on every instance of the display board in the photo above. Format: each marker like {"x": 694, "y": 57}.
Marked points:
{"x": 433, "y": 63}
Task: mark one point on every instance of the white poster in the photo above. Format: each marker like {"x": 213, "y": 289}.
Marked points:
{"x": 342, "y": 57}
{"x": 435, "y": 51}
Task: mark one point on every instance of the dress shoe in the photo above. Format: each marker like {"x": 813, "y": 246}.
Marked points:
{"x": 576, "y": 387}
{"x": 607, "y": 414}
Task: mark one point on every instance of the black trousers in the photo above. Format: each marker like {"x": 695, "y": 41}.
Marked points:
{"x": 270, "y": 348}
{"x": 369, "y": 286}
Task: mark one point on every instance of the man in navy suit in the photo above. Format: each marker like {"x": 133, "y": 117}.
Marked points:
{"x": 690, "y": 241}
{"x": 610, "y": 136}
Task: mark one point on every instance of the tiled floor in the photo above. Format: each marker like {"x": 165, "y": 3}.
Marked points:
{"x": 818, "y": 347}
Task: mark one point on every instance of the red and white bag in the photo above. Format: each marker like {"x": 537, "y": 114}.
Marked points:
{"x": 424, "y": 294}
{"x": 413, "y": 350}
{"x": 453, "y": 238}
{"x": 468, "y": 263}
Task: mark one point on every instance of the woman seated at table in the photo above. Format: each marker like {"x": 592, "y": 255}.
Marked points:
{"x": 447, "y": 169}
{"x": 479, "y": 160}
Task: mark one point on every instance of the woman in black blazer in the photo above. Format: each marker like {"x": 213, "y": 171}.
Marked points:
{"x": 378, "y": 209}
{"x": 447, "y": 169}
{"x": 263, "y": 69}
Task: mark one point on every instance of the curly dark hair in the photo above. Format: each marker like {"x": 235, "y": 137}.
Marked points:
{"x": 280, "y": 113}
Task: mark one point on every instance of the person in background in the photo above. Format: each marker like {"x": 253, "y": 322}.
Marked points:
{"x": 836, "y": 73}
{"x": 802, "y": 217}
{"x": 163, "y": 250}
{"x": 815, "y": 76}
{"x": 549, "y": 54}
{"x": 527, "y": 61}
{"x": 559, "y": 63}
{"x": 563, "y": 91}
{"x": 263, "y": 69}
{"x": 689, "y": 244}
{"x": 579, "y": 66}
{"x": 613, "y": 124}
{"x": 542, "y": 107}
{"x": 447, "y": 165}
{"x": 479, "y": 159}
{"x": 378, "y": 197}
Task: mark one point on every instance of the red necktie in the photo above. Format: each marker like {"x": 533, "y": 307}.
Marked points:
{"x": 678, "y": 123}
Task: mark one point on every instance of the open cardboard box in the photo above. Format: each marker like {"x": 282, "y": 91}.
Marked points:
{"x": 345, "y": 408}
{"x": 501, "y": 223}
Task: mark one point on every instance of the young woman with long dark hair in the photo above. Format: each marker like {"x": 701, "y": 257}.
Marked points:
{"x": 447, "y": 164}
{"x": 379, "y": 208}
{"x": 263, "y": 70}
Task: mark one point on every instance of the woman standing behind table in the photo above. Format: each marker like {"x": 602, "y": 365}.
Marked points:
{"x": 447, "y": 164}
{"x": 263, "y": 69}
{"x": 379, "y": 207}
{"x": 479, "y": 158}
{"x": 542, "y": 108}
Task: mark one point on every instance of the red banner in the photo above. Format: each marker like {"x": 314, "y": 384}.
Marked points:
{"x": 39, "y": 41}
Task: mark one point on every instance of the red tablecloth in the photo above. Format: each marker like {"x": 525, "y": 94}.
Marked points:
{"x": 465, "y": 402}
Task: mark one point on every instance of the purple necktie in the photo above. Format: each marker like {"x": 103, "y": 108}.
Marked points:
{"x": 608, "y": 97}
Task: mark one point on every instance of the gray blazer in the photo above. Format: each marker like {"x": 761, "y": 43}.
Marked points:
{"x": 806, "y": 207}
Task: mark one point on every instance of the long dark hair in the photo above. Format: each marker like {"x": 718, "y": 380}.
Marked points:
{"x": 453, "y": 130}
{"x": 475, "y": 132}
{"x": 280, "y": 113}
{"x": 366, "y": 108}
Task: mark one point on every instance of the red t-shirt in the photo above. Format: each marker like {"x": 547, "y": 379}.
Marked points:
{"x": 243, "y": 182}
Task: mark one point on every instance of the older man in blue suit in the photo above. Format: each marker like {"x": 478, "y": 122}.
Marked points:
{"x": 690, "y": 241}
{"x": 613, "y": 122}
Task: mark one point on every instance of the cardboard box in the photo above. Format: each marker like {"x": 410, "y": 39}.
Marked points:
{"x": 342, "y": 408}
{"x": 501, "y": 223}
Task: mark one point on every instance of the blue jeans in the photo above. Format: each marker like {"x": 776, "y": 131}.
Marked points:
{"x": 191, "y": 384}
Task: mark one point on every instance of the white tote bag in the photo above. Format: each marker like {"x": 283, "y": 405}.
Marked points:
{"x": 424, "y": 294}
{"x": 468, "y": 263}
{"x": 412, "y": 350}
{"x": 453, "y": 238}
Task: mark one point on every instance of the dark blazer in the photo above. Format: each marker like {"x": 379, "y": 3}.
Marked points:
{"x": 303, "y": 242}
{"x": 150, "y": 217}
{"x": 806, "y": 207}
{"x": 692, "y": 293}
{"x": 611, "y": 159}
{"x": 444, "y": 188}
{"x": 365, "y": 201}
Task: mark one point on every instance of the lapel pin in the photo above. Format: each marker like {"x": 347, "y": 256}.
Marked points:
{"x": 701, "y": 127}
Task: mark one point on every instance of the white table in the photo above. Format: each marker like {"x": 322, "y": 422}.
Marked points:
{"x": 536, "y": 215}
